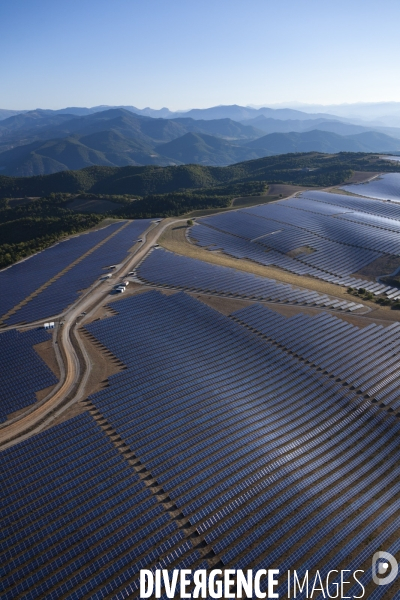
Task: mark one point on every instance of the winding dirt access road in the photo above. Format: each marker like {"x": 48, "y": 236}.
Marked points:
{"x": 73, "y": 383}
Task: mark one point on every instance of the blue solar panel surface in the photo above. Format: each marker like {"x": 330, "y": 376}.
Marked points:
{"x": 269, "y": 458}
{"x": 81, "y": 519}
{"x": 251, "y": 427}
{"x": 24, "y": 278}
{"x": 367, "y": 357}
{"x": 384, "y": 187}
{"x": 22, "y": 371}
{"x": 323, "y": 235}
{"x": 167, "y": 269}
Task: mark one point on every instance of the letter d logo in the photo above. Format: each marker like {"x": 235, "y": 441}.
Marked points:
{"x": 382, "y": 563}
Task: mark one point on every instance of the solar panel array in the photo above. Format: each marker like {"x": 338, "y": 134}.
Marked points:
{"x": 75, "y": 515}
{"x": 22, "y": 371}
{"x": 384, "y": 187}
{"x": 273, "y": 461}
{"x": 24, "y": 278}
{"x": 334, "y": 236}
{"x": 163, "y": 268}
{"x": 331, "y": 227}
{"x": 371, "y": 206}
{"x": 365, "y": 358}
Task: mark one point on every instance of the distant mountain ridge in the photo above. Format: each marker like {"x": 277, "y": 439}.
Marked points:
{"x": 361, "y": 113}
{"x": 234, "y": 112}
{"x": 270, "y": 125}
{"x": 42, "y": 142}
{"x": 324, "y": 141}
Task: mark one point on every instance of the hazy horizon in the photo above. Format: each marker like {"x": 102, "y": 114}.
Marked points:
{"x": 197, "y": 54}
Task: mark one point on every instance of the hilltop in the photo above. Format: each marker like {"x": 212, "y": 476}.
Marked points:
{"x": 312, "y": 169}
{"x": 43, "y": 142}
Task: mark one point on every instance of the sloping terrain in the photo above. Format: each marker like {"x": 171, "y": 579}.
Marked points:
{"x": 197, "y": 148}
{"x": 324, "y": 141}
{"x": 43, "y": 142}
{"x": 274, "y": 125}
{"x": 311, "y": 169}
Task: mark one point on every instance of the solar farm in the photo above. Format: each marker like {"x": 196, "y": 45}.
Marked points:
{"x": 209, "y": 417}
{"x": 334, "y": 235}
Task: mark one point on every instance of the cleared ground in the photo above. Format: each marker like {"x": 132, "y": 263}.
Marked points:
{"x": 98, "y": 205}
{"x": 301, "y": 250}
{"x": 46, "y": 353}
{"x": 385, "y": 265}
{"x": 284, "y": 190}
{"x": 360, "y": 176}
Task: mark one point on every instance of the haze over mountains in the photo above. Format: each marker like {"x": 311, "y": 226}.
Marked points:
{"x": 44, "y": 141}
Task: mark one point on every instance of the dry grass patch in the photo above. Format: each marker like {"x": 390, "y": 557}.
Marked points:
{"x": 300, "y": 250}
{"x": 47, "y": 354}
{"x": 74, "y": 410}
{"x": 384, "y": 265}
{"x": 361, "y": 176}
{"x": 226, "y": 306}
{"x": 284, "y": 190}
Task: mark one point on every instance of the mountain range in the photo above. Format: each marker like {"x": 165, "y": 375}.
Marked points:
{"x": 44, "y": 141}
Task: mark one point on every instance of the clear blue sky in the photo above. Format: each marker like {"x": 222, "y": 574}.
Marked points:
{"x": 197, "y": 53}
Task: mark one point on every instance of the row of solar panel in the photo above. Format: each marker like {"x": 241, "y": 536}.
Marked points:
{"x": 384, "y": 187}
{"x": 236, "y": 233}
{"x": 168, "y": 269}
{"x": 23, "y": 278}
{"x": 241, "y": 248}
{"x": 325, "y": 256}
{"x": 64, "y": 291}
{"x": 282, "y": 230}
{"x": 83, "y": 535}
{"x": 283, "y": 424}
{"x": 366, "y": 357}
{"x": 114, "y": 404}
{"x": 22, "y": 371}
{"x": 327, "y": 226}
